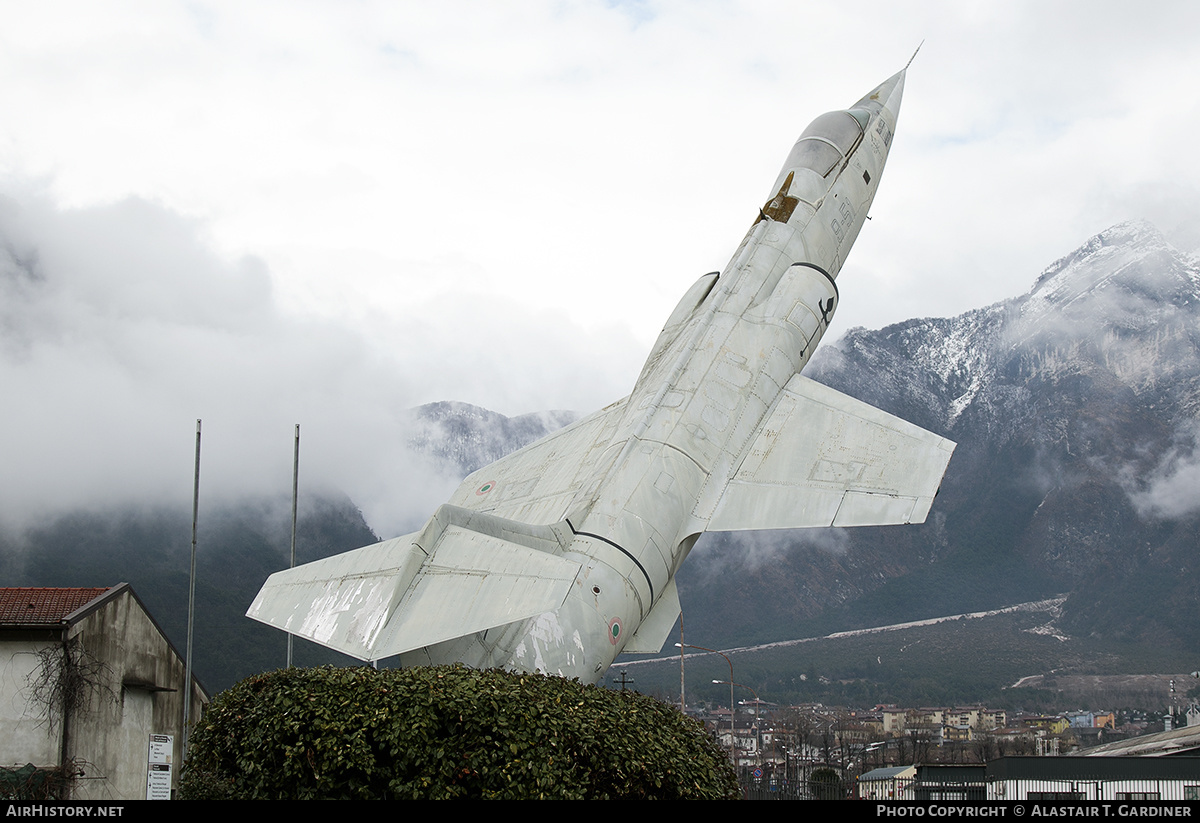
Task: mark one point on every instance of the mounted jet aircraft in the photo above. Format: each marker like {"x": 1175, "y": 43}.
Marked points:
{"x": 560, "y": 556}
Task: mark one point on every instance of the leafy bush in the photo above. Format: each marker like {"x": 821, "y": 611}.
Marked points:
{"x": 445, "y": 732}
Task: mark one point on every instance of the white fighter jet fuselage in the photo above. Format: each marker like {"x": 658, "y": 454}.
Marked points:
{"x": 562, "y": 555}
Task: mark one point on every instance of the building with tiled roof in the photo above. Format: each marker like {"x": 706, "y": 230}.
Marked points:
{"x": 43, "y": 606}
{"x": 90, "y": 686}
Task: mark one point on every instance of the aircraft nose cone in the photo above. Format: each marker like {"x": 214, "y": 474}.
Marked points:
{"x": 888, "y": 94}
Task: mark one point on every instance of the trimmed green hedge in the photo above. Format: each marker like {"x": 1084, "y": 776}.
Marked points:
{"x": 445, "y": 732}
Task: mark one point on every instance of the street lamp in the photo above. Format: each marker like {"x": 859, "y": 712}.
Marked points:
{"x": 727, "y": 660}
{"x": 757, "y": 703}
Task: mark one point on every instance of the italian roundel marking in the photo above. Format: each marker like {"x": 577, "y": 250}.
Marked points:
{"x": 614, "y": 630}
{"x": 485, "y": 488}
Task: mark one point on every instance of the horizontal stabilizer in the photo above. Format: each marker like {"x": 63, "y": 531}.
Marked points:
{"x": 463, "y": 573}
{"x": 825, "y": 459}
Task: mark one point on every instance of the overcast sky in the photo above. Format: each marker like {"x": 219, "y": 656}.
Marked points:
{"x": 263, "y": 213}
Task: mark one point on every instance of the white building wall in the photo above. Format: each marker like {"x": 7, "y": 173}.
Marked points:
{"x": 27, "y": 736}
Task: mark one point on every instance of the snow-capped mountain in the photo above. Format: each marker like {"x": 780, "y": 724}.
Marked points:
{"x": 1075, "y": 409}
{"x": 462, "y": 438}
{"x": 1124, "y": 305}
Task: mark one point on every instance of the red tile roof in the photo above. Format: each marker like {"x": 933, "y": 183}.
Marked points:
{"x": 43, "y": 606}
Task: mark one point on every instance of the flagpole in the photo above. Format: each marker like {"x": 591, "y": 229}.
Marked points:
{"x": 295, "y": 496}
{"x": 187, "y": 678}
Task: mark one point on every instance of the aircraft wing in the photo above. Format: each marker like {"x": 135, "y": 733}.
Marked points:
{"x": 463, "y": 573}
{"x": 537, "y": 483}
{"x": 825, "y": 459}
{"x": 488, "y": 557}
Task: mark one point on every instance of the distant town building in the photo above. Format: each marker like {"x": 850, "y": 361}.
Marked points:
{"x": 1056, "y": 779}
{"x": 1052, "y": 780}
{"x": 891, "y": 783}
{"x": 1104, "y": 720}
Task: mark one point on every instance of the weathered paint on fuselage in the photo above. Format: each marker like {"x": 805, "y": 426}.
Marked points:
{"x": 713, "y": 377}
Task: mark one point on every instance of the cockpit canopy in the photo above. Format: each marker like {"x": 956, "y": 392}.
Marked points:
{"x": 829, "y": 140}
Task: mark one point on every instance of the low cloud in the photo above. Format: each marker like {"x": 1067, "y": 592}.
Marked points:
{"x": 717, "y": 553}
{"x": 1169, "y": 490}
{"x": 120, "y": 327}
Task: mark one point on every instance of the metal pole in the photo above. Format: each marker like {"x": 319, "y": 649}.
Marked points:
{"x": 730, "y": 662}
{"x": 730, "y": 681}
{"x": 295, "y": 495}
{"x": 682, "y": 701}
{"x": 757, "y": 703}
{"x": 187, "y": 676}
